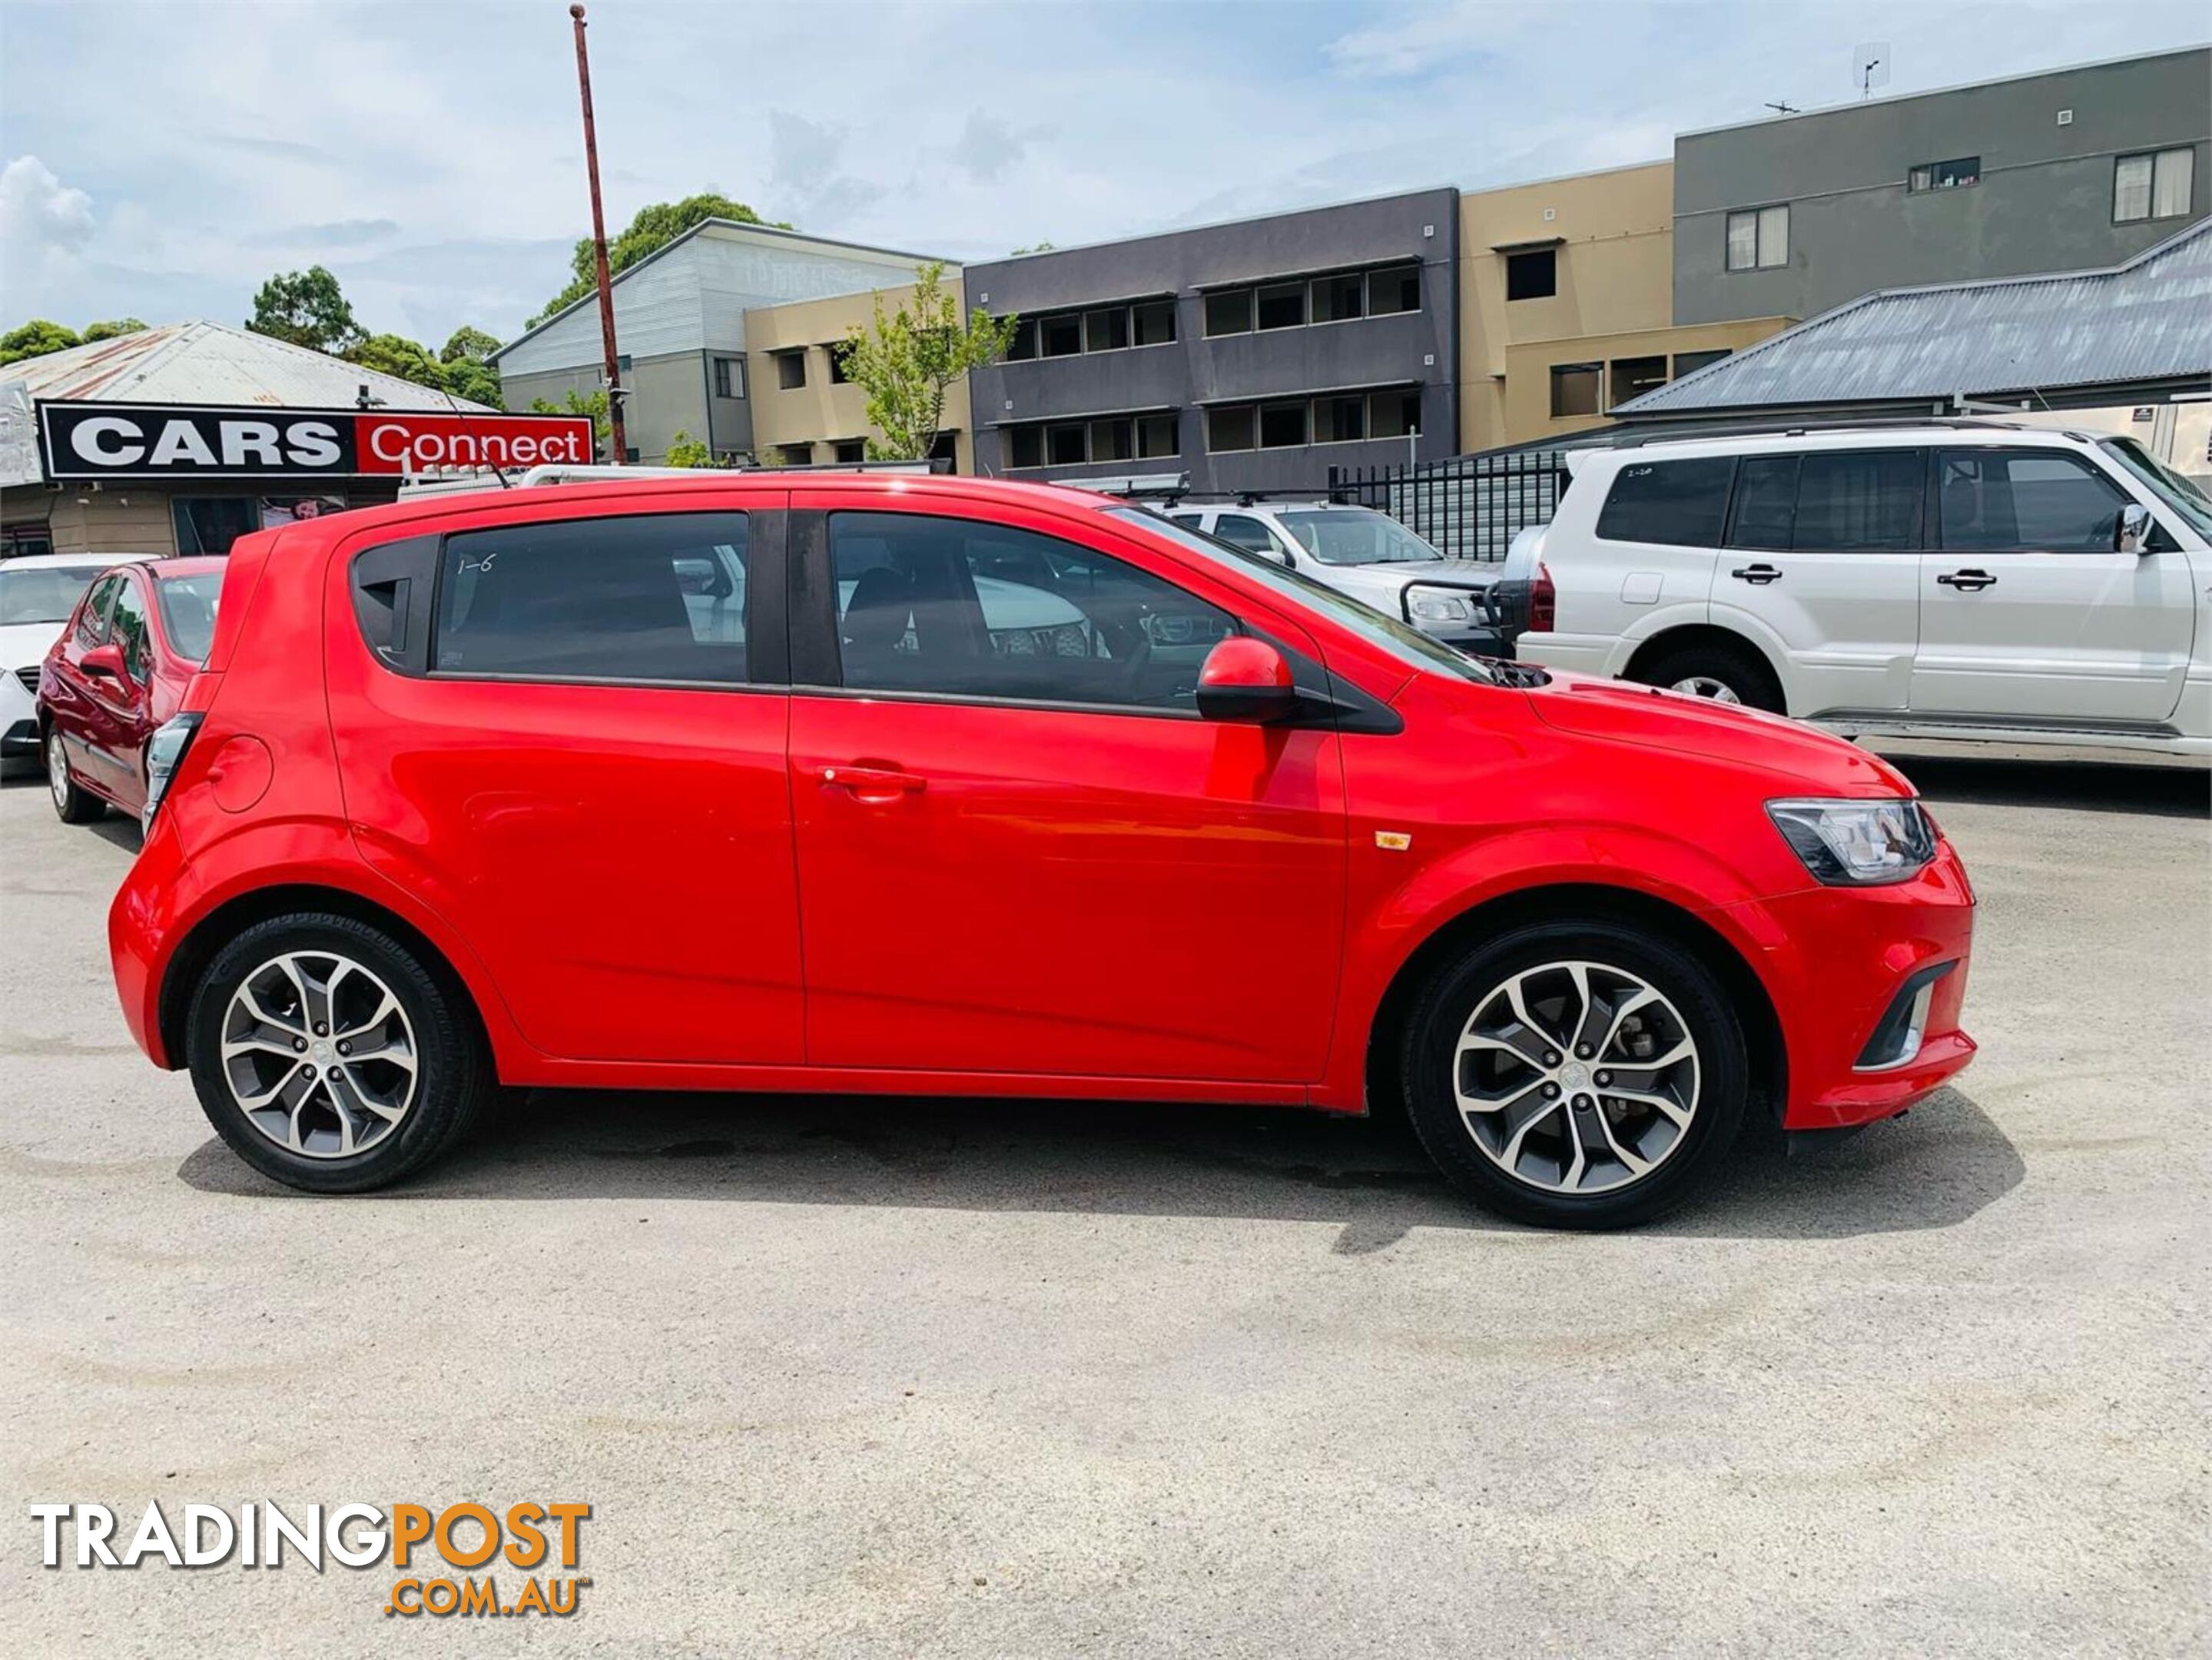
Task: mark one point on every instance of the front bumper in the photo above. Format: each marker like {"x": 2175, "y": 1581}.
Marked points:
{"x": 19, "y": 717}
{"x": 1836, "y": 961}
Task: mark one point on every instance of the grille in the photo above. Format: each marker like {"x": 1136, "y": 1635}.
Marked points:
{"x": 29, "y": 674}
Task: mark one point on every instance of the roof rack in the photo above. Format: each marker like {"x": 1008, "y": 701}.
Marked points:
{"x": 1629, "y": 439}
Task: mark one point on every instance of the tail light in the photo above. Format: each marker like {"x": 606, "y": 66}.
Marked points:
{"x": 163, "y": 751}
{"x": 1543, "y": 602}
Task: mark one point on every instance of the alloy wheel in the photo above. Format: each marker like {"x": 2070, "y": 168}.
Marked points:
{"x": 57, "y": 778}
{"x": 318, "y": 1054}
{"x": 1576, "y": 1077}
{"x": 1704, "y": 685}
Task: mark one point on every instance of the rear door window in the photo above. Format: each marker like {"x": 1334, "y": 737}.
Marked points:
{"x": 1675, "y": 503}
{"x": 1766, "y": 509}
{"x": 1991, "y": 501}
{"x": 656, "y": 598}
{"x": 1859, "y": 501}
{"x": 959, "y": 607}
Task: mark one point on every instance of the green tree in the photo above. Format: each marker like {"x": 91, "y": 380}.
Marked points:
{"x": 469, "y": 370}
{"x": 467, "y": 345}
{"x": 110, "y": 331}
{"x": 576, "y": 402}
{"x": 35, "y": 339}
{"x": 395, "y": 354}
{"x": 685, "y": 451}
{"x": 1033, "y": 247}
{"x": 307, "y": 308}
{"x": 655, "y": 227}
{"x": 906, "y": 361}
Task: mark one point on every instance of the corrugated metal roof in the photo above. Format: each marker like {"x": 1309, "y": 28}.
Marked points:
{"x": 190, "y": 363}
{"x": 2147, "y": 319}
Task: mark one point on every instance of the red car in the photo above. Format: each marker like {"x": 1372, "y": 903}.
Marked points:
{"x": 117, "y": 674}
{"x": 948, "y": 785}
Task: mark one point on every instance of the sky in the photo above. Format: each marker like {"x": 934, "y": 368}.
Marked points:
{"x": 162, "y": 159}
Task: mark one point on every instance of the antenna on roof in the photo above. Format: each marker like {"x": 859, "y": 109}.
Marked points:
{"x": 1870, "y": 66}
{"x": 1783, "y": 108}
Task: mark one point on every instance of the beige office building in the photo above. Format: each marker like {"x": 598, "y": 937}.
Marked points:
{"x": 805, "y": 411}
{"x": 1566, "y": 304}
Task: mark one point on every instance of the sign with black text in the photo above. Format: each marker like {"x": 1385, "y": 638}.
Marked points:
{"x": 78, "y": 440}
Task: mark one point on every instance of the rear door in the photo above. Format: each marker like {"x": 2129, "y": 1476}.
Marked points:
{"x": 125, "y": 704}
{"x": 567, "y": 734}
{"x": 1021, "y": 849}
{"x": 2027, "y": 611}
{"x": 1821, "y": 563}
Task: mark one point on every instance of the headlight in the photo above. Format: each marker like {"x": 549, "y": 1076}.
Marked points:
{"x": 1438, "y": 605}
{"x": 1856, "y": 843}
{"x": 163, "y": 751}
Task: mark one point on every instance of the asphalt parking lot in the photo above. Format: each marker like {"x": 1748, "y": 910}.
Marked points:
{"x": 1034, "y": 1379}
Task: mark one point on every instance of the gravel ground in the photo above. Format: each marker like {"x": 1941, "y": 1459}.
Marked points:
{"x": 1030, "y": 1379}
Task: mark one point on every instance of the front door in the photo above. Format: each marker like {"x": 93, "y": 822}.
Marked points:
{"x": 92, "y": 712}
{"x": 1021, "y": 849}
{"x": 2029, "y": 614}
{"x": 575, "y": 752}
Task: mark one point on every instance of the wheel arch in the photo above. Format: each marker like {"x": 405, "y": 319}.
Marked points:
{"x": 227, "y": 920}
{"x": 1683, "y": 635}
{"x": 1582, "y": 901}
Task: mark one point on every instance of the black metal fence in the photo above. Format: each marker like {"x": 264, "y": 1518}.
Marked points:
{"x": 1469, "y": 507}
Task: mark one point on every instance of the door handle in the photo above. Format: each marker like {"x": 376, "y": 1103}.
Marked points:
{"x": 1759, "y": 575}
{"x": 872, "y": 782}
{"x": 1967, "y": 581}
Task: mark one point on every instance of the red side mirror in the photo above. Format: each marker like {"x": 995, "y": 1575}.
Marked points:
{"x": 1246, "y": 680}
{"x": 103, "y": 662}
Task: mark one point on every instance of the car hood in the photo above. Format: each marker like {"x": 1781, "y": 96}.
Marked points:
{"x": 1363, "y": 581}
{"x": 1799, "y": 757}
{"x": 25, "y": 643}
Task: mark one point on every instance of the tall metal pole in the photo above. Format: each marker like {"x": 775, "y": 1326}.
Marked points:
{"x": 600, "y": 252}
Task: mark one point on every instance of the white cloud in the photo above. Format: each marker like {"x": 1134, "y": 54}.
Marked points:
{"x": 44, "y": 227}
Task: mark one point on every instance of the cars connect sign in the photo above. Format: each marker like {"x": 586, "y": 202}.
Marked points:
{"x": 82, "y": 441}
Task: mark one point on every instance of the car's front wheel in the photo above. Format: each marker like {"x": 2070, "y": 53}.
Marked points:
{"x": 73, "y": 803}
{"x": 331, "y": 1056}
{"x": 1576, "y": 1074}
{"x": 1724, "y": 672}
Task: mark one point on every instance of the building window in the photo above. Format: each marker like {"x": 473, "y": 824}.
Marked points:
{"x": 1340, "y": 420}
{"x": 1074, "y": 443}
{"x": 1944, "y": 175}
{"x": 1689, "y": 363}
{"x": 1153, "y": 323}
{"x": 1393, "y": 414}
{"x": 1064, "y": 446}
{"x": 1758, "y": 238}
{"x": 1060, "y": 337}
{"x": 1106, "y": 330}
{"x": 945, "y": 449}
{"x": 1025, "y": 446}
{"x": 1339, "y": 298}
{"x": 1232, "y": 428}
{"x": 1392, "y": 291}
{"x": 835, "y": 352}
{"x": 1330, "y": 418}
{"x": 1532, "y": 276}
{"x": 729, "y": 377}
{"x": 790, "y": 370}
{"x": 209, "y": 524}
{"x": 1025, "y": 340}
{"x": 1157, "y": 436}
{"x": 1282, "y": 426}
{"x": 1575, "y": 388}
{"x": 1230, "y": 313}
{"x": 1282, "y": 307}
{"x": 1634, "y": 376}
{"x": 796, "y": 455}
{"x": 846, "y": 450}
{"x": 2156, "y": 184}
{"x": 1113, "y": 439}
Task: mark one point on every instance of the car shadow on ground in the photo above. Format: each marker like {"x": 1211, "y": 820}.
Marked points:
{"x": 1933, "y": 1169}
{"x": 2170, "y": 791}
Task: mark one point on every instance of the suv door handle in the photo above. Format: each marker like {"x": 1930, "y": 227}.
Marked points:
{"x": 1967, "y": 581}
{"x": 1760, "y": 574}
{"x": 877, "y": 783}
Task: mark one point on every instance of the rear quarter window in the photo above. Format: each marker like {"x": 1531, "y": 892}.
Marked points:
{"x": 1675, "y": 503}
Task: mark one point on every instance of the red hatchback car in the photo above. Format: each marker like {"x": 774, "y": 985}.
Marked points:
{"x": 951, "y": 786}
{"x": 117, "y": 675}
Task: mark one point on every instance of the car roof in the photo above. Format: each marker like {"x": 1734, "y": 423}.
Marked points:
{"x": 197, "y": 564}
{"x": 98, "y": 559}
{"x": 1873, "y": 436}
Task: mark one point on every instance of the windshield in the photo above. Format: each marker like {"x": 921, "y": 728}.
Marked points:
{"x": 1355, "y": 536}
{"x": 1409, "y": 646}
{"x": 188, "y": 612}
{"x": 46, "y": 594}
{"x": 2176, "y": 489}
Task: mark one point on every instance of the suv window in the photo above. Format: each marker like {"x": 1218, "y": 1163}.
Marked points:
{"x": 91, "y": 620}
{"x": 126, "y": 627}
{"x": 1859, "y": 501}
{"x": 956, "y": 606}
{"x": 1992, "y": 500}
{"x": 1247, "y": 531}
{"x": 654, "y": 598}
{"x": 1679, "y": 503}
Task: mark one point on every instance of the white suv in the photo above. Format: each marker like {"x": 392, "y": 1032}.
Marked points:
{"x": 1363, "y": 553}
{"x": 1964, "y": 581}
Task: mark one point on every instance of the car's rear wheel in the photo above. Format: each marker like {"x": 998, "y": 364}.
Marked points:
{"x": 331, "y": 1056}
{"x": 73, "y": 803}
{"x": 1723, "y": 672}
{"x": 1576, "y": 1074}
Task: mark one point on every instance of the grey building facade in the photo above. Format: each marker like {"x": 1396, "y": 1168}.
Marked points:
{"x": 1252, "y": 355}
{"x": 2071, "y": 169}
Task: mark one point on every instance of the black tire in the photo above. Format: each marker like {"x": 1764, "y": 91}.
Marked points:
{"x": 73, "y": 803}
{"x": 1461, "y": 987}
{"x": 1737, "y": 666}
{"x": 455, "y": 1077}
